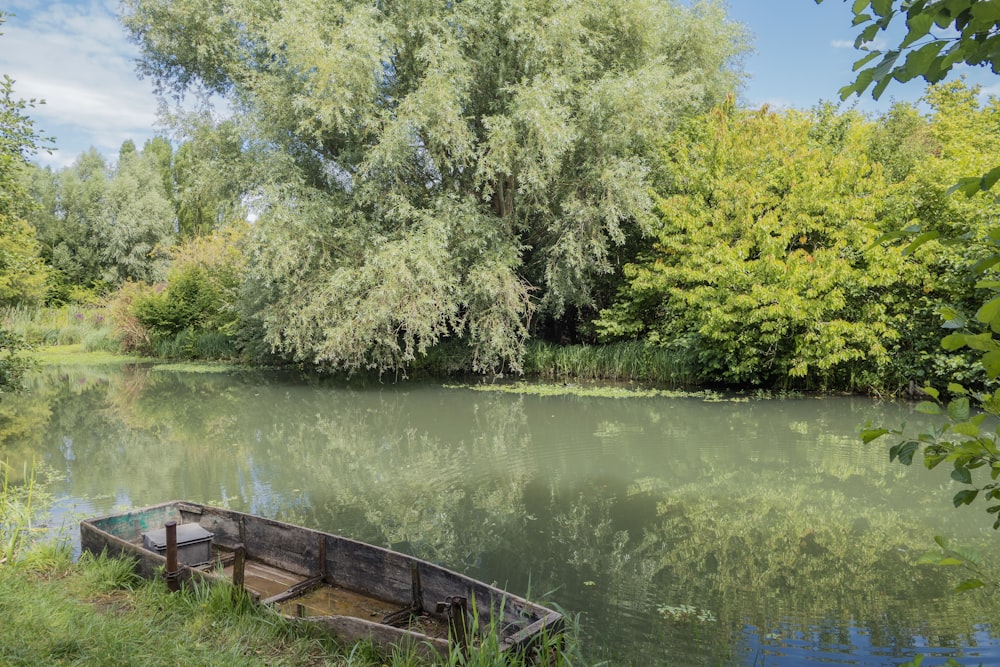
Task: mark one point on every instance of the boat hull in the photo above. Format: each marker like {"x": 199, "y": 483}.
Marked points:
{"x": 340, "y": 585}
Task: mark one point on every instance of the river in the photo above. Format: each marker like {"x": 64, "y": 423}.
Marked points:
{"x": 683, "y": 530}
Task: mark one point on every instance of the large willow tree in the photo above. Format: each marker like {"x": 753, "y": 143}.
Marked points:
{"x": 439, "y": 169}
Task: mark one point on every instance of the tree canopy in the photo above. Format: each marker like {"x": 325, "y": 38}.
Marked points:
{"x": 439, "y": 170}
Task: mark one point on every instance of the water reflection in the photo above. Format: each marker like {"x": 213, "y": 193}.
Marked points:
{"x": 796, "y": 542}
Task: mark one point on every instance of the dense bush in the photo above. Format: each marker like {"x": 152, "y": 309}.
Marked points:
{"x": 768, "y": 265}
{"x": 196, "y": 311}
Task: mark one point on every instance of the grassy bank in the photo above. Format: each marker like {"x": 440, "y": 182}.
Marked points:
{"x": 96, "y": 612}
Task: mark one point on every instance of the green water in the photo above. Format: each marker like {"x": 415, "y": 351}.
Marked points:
{"x": 683, "y": 531}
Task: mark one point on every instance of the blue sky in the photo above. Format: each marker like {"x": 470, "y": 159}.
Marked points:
{"x": 74, "y": 54}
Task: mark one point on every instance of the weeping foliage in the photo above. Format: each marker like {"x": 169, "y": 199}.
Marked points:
{"x": 439, "y": 170}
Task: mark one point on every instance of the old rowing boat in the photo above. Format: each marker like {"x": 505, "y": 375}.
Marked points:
{"x": 351, "y": 589}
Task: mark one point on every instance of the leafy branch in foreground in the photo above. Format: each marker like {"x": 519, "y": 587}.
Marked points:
{"x": 962, "y": 440}
{"x": 939, "y": 35}
{"x": 958, "y": 556}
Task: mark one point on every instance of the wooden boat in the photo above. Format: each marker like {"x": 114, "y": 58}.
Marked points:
{"x": 351, "y": 589}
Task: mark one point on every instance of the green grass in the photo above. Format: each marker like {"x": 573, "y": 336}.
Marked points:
{"x": 96, "y": 612}
{"x": 78, "y": 355}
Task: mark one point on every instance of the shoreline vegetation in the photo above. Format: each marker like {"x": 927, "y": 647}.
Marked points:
{"x": 74, "y": 335}
{"x": 86, "y": 335}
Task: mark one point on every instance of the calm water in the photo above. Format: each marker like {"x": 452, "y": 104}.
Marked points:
{"x": 683, "y": 531}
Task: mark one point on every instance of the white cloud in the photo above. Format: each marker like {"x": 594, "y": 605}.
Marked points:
{"x": 990, "y": 91}
{"x": 75, "y": 56}
{"x": 874, "y": 45}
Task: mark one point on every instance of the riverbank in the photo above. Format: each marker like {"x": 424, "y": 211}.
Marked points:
{"x": 76, "y": 334}
{"x": 96, "y": 611}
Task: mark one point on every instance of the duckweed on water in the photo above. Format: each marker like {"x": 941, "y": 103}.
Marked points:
{"x": 598, "y": 391}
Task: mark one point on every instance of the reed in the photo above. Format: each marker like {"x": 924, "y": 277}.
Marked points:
{"x": 628, "y": 361}
{"x": 195, "y": 344}
{"x": 16, "y": 511}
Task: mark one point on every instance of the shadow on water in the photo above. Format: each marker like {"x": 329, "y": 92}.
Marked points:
{"x": 684, "y": 531}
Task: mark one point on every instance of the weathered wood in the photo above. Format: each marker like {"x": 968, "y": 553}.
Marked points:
{"x": 294, "y": 591}
{"x": 322, "y": 558}
{"x": 417, "y": 590}
{"x": 239, "y": 565}
{"x": 172, "y": 573}
{"x": 288, "y": 560}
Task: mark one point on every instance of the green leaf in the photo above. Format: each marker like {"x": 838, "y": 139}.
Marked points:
{"x": 904, "y": 451}
{"x": 961, "y": 474}
{"x": 861, "y": 18}
{"x": 952, "y": 318}
{"x": 968, "y": 554}
{"x": 868, "y": 435}
{"x": 983, "y": 342}
{"x": 928, "y": 408}
{"x": 917, "y": 26}
{"x": 866, "y": 36}
{"x": 949, "y": 561}
{"x": 882, "y": 7}
{"x": 986, "y": 13}
{"x": 918, "y": 61}
{"x": 955, "y": 388}
{"x": 968, "y": 186}
{"x": 958, "y": 409}
{"x": 968, "y": 585}
{"x": 966, "y": 428}
{"x": 931, "y": 391}
{"x": 965, "y": 497}
{"x": 920, "y": 240}
{"x": 941, "y": 541}
{"x": 991, "y": 364}
{"x": 990, "y": 178}
{"x": 989, "y": 311}
{"x": 864, "y": 61}
{"x": 983, "y": 265}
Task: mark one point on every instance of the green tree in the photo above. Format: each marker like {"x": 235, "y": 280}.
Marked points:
{"x": 101, "y": 226}
{"x": 22, "y": 274}
{"x": 763, "y": 266}
{"x": 439, "y": 170}
{"x": 135, "y": 222}
{"x": 69, "y": 201}
{"x": 211, "y": 172}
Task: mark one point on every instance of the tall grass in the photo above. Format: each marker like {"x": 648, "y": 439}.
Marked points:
{"x": 195, "y": 344}
{"x": 97, "y": 612}
{"x": 620, "y": 362}
{"x": 16, "y": 513}
{"x": 67, "y": 325}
